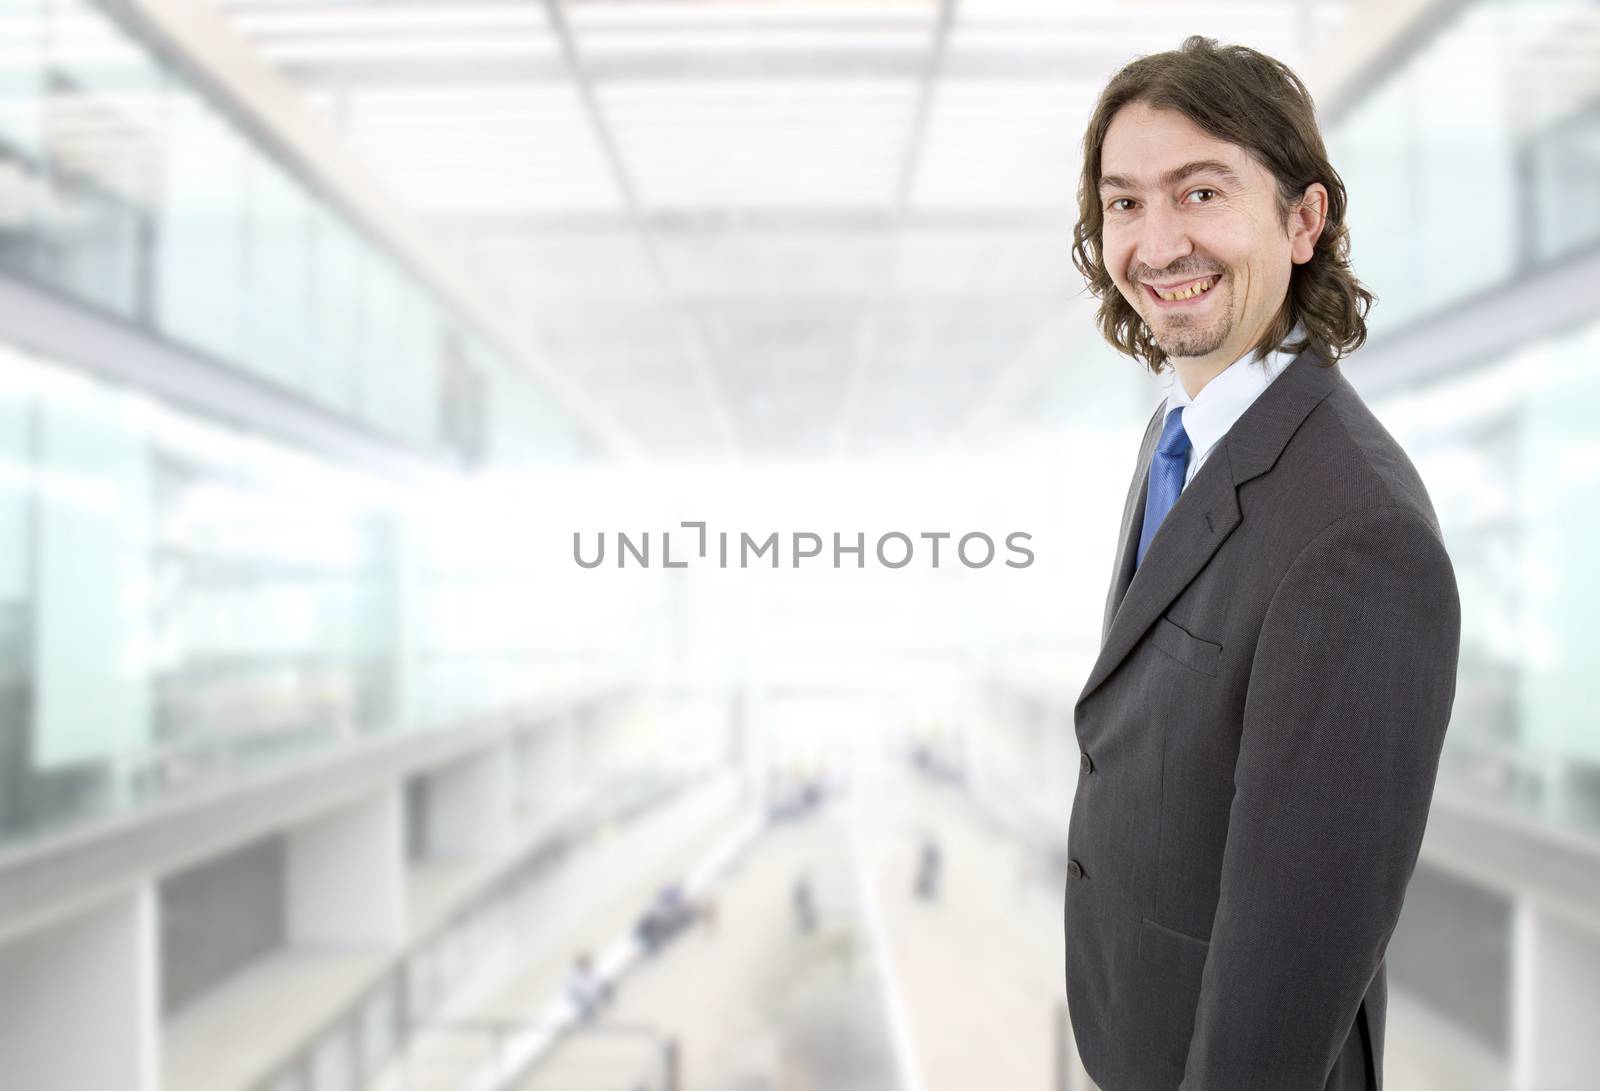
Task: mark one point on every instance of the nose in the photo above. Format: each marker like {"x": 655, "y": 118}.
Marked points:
{"x": 1163, "y": 238}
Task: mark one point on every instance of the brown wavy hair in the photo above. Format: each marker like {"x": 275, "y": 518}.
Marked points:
{"x": 1251, "y": 100}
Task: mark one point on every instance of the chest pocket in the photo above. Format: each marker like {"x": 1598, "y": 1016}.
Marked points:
{"x": 1186, "y": 648}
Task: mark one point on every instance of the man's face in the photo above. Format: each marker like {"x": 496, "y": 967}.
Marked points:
{"x": 1190, "y": 216}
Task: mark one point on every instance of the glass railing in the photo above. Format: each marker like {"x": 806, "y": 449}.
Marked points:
{"x": 182, "y": 601}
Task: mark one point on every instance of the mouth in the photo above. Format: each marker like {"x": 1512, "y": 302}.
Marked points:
{"x": 1183, "y": 293}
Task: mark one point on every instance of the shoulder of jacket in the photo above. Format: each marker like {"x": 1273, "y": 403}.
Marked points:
{"x": 1377, "y": 472}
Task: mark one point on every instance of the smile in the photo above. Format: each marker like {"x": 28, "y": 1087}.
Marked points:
{"x": 1180, "y": 293}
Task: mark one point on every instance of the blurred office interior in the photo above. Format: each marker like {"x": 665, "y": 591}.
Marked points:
{"x": 327, "y": 326}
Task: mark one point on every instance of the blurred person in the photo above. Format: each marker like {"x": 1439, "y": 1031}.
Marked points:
{"x": 1261, "y": 731}
{"x": 668, "y": 915}
{"x": 929, "y": 861}
{"x": 810, "y": 795}
{"x": 585, "y": 990}
{"x": 804, "y": 905}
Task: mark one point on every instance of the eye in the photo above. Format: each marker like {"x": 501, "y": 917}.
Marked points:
{"x": 1201, "y": 189}
{"x": 1119, "y": 201}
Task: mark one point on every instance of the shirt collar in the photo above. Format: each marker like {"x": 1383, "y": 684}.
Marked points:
{"x": 1223, "y": 400}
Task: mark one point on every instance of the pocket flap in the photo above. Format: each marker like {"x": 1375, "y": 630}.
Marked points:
{"x": 1190, "y": 650}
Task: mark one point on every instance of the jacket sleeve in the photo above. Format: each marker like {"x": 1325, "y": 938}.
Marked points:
{"x": 1349, "y": 696}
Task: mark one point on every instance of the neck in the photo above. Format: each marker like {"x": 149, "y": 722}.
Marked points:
{"x": 1194, "y": 372}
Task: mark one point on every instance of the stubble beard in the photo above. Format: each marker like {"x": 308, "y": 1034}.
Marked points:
{"x": 1183, "y": 335}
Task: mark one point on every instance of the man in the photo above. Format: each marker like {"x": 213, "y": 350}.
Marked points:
{"x": 585, "y": 991}
{"x": 1261, "y": 731}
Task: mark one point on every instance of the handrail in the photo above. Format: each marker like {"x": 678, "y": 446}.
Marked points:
{"x": 539, "y": 1037}
{"x": 588, "y": 815}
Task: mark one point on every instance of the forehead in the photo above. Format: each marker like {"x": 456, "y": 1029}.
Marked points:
{"x": 1145, "y": 141}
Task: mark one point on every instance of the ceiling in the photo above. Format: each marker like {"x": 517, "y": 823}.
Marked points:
{"x": 758, "y": 230}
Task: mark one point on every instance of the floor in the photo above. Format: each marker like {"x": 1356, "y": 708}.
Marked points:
{"x": 887, "y": 991}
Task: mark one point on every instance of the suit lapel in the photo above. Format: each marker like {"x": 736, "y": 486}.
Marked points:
{"x": 1132, "y": 522}
{"x": 1206, "y": 512}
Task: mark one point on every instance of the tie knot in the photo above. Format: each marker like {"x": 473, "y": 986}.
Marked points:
{"x": 1174, "y": 440}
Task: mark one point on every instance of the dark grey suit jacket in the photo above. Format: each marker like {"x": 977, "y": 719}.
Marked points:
{"x": 1259, "y": 736}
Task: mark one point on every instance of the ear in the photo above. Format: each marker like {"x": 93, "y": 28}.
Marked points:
{"x": 1306, "y": 221}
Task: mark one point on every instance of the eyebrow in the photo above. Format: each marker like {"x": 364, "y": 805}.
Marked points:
{"x": 1175, "y": 175}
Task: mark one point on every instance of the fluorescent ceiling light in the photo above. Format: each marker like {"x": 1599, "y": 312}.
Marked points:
{"x": 490, "y": 152}
{"x": 801, "y": 128}
{"x": 453, "y": 113}
{"x": 751, "y": 180}
{"x": 486, "y": 150}
{"x": 465, "y": 95}
{"x": 380, "y": 20}
{"x": 1156, "y": 13}
{"x": 456, "y": 49}
{"x": 841, "y": 113}
{"x": 748, "y": 41}
{"x": 749, "y": 12}
{"x": 522, "y": 200}
{"x": 788, "y": 92}
{"x": 465, "y": 120}
{"x": 713, "y": 156}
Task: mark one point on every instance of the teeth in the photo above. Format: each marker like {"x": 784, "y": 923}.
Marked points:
{"x": 1189, "y": 292}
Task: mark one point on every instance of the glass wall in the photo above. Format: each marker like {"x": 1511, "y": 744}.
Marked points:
{"x": 181, "y": 600}
{"x": 1474, "y": 160}
{"x": 123, "y": 187}
{"x": 1512, "y": 461}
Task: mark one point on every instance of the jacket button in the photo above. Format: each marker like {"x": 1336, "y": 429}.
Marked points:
{"x": 1084, "y": 764}
{"x": 1075, "y": 869}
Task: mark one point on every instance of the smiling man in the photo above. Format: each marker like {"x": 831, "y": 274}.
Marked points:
{"x": 1261, "y": 730}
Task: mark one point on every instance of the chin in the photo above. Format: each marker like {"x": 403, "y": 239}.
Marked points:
{"x": 1181, "y": 346}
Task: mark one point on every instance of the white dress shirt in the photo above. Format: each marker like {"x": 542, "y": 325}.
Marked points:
{"x": 1223, "y": 400}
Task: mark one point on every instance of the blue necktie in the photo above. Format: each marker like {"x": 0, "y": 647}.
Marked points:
{"x": 1167, "y": 468}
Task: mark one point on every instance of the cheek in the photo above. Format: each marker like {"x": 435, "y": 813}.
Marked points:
{"x": 1115, "y": 253}
{"x": 1232, "y": 239}
{"x": 1243, "y": 265}
{"x": 1257, "y": 278}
